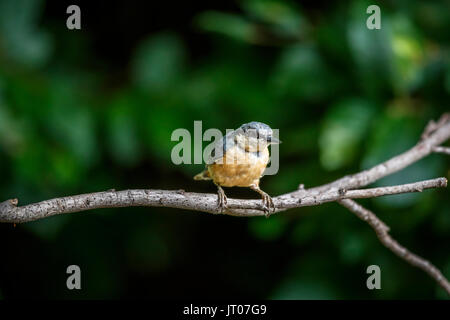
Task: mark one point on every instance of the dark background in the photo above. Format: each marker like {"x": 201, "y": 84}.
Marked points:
{"x": 93, "y": 109}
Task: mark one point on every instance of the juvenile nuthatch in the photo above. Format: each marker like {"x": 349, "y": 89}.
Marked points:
{"x": 239, "y": 160}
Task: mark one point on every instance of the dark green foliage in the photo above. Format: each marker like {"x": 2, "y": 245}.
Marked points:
{"x": 91, "y": 110}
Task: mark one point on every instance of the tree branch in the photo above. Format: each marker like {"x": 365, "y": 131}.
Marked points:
{"x": 435, "y": 134}
{"x": 430, "y": 140}
{"x": 206, "y": 202}
{"x": 382, "y": 232}
{"x": 444, "y": 150}
{"x": 341, "y": 190}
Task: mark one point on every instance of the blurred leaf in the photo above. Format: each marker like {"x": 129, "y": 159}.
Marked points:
{"x": 63, "y": 168}
{"x": 73, "y": 126}
{"x": 11, "y": 135}
{"x": 352, "y": 247}
{"x": 158, "y": 62}
{"x": 122, "y": 136}
{"x": 227, "y": 24}
{"x": 333, "y": 41}
{"x": 241, "y": 94}
{"x": 22, "y": 40}
{"x": 371, "y": 49}
{"x": 283, "y": 16}
{"x": 308, "y": 135}
{"x": 433, "y": 17}
{"x": 382, "y": 144}
{"x": 159, "y": 126}
{"x": 30, "y": 164}
{"x": 344, "y": 128}
{"x": 394, "y": 133}
{"x": 408, "y": 53}
{"x": 267, "y": 229}
{"x": 301, "y": 73}
{"x": 201, "y": 90}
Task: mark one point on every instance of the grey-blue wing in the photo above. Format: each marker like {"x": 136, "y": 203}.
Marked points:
{"x": 221, "y": 147}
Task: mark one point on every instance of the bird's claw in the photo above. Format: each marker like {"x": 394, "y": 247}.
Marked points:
{"x": 221, "y": 201}
{"x": 268, "y": 205}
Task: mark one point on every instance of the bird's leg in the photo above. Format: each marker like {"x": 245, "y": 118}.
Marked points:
{"x": 268, "y": 205}
{"x": 222, "y": 199}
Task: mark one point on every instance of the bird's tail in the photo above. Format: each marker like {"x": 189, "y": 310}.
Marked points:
{"x": 204, "y": 175}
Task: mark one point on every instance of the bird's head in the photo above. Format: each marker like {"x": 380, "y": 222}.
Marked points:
{"x": 255, "y": 136}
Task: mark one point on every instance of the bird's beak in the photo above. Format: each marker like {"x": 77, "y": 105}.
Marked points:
{"x": 274, "y": 140}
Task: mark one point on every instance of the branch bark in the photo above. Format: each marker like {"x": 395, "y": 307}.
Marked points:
{"x": 444, "y": 150}
{"x": 341, "y": 190}
{"x": 9, "y": 212}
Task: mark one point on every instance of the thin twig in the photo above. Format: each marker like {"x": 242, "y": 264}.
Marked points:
{"x": 419, "y": 151}
{"x": 432, "y": 126}
{"x": 444, "y": 150}
{"x": 382, "y": 232}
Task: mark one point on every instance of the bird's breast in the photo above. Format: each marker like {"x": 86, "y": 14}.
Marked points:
{"x": 239, "y": 168}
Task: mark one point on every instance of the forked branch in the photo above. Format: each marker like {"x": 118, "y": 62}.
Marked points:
{"x": 341, "y": 190}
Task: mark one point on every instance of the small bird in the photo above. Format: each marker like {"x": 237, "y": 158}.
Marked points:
{"x": 239, "y": 160}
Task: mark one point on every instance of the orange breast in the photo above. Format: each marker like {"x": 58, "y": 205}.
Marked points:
{"x": 238, "y": 168}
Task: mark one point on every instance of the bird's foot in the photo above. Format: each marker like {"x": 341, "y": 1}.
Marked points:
{"x": 267, "y": 202}
{"x": 221, "y": 200}
{"x": 268, "y": 205}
